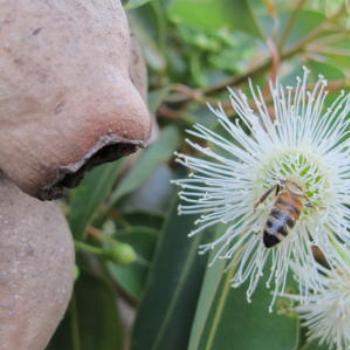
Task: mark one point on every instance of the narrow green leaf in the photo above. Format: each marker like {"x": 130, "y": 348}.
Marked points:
{"x": 132, "y": 278}
{"x": 145, "y": 23}
{"x": 133, "y": 4}
{"x": 215, "y": 15}
{"x": 314, "y": 346}
{"x": 144, "y": 218}
{"x": 304, "y": 23}
{"x": 233, "y": 323}
{"x": 241, "y": 14}
{"x": 67, "y": 335}
{"x": 92, "y": 320}
{"x": 206, "y": 14}
{"x": 154, "y": 194}
{"x": 87, "y": 198}
{"x": 98, "y": 319}
{"x": 156, "y": 97}
{"x": 165, "y": 315}
{"x": 331, "y": 72}
{"x": 157, "y": 153}
{"x": 211, "y": 282}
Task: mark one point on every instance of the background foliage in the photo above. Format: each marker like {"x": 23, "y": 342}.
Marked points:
{"x": 140, "y": 283}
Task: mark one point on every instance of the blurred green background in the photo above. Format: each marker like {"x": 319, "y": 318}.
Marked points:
{"x": 140, "y": 283}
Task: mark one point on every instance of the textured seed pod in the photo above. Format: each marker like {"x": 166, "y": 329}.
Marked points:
{"x": 36, "y": 269}
{"x": 67, "y": 102}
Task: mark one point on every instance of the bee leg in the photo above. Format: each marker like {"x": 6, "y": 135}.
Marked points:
{"x": 266, "y": 194}
{"x": 278, "y": 189}
{"x": 280, "y": 185}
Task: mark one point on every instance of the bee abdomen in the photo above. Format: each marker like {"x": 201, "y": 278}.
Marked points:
{"x": 282, "y": 216}
{"x": 277, "y": 227}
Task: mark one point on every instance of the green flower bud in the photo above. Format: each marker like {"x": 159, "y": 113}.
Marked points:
{"x": 121, "y": 253}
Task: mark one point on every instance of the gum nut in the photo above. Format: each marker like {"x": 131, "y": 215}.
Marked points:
{"x": 36, "y": 269}
{"x": 67, "y": 102}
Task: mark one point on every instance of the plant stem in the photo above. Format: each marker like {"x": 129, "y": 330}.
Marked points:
{"x": 88, "y": 248}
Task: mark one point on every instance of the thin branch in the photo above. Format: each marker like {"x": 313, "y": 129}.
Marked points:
{"x": 88, "y": 248}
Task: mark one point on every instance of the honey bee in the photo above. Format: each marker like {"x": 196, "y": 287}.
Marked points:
{"x": 287, "y": 207}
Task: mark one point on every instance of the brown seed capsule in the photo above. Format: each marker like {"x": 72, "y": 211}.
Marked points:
{"x": 66, "y": 99}
{"x": 36, "y": 269}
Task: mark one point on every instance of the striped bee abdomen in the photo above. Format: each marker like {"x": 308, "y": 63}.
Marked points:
{"x": 282, "y": 218}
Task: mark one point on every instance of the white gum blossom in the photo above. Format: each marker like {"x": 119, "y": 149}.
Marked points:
{"x": 299, "y": 138}
{"x": 326, "y": 312}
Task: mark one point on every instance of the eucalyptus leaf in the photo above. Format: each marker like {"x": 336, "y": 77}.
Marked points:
{"x": 133, "y": 4}
{"x": 156, "y": 97}
{"x": 154, "y": 194}
{"x": 216, "y": 14}
{"x": 92, "y": 320}
{"x": 305, "y": 21}
{"x": 145, "y": 24}
{"x": 209, "y": 288}
{"x": 330, "y": 71}
{"x": 132, "y": 277}
{"x": 86, "y": 199}
{"x": 314, "y": 346}
{"x": 99, "y": 325}
{"x": 159, "y": 152}
{"x": 144, "y": 218}
{"x": 165, "y": 315}
{"x": 235, "y": 323}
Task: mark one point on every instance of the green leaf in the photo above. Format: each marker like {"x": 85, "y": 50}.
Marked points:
{"x": 143, "y": 218}
{"x": 304, "y": 23}
{"x": 145, "y": 23}
{"x": 156, "y": 97}
{"x": 330, "y": 72}
{"x": 314, "y": 346}
{"x": 240, "y": 13}
{"x": 133, "y": 4}
{"x": 92, "y": 320}
{"x": 233, "y": 323}
{"x": 210, "y": 285}
{"x": 99, "y": 325}
{"x": 165, "y": 315}
{"x": 87, "y": 198}
{"x": 215, "y": 15}
{"x": 159, "y": 152}
{"x": 132, "y": 278}
{"x": 63, "y": 338}
{"x": 154, "y": 194}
